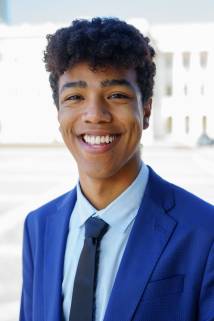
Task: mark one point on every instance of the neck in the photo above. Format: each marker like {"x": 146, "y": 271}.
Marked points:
{"x": 102, "y": 191}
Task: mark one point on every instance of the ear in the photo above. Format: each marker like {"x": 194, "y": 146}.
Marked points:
{"x": 147, "y": 108}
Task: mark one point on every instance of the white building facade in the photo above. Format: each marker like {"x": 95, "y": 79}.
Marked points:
{"x": 183, "y": 101}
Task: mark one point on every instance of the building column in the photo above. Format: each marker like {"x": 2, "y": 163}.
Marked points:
{"x": 209, "y": 93}
{"x": 178, "y": 129}
{"x": 157, "y": 120}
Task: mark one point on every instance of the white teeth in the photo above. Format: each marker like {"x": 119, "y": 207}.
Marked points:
{"x": 92, "y": 140}
{"x": 102, "y": 139}
{"x": 97, "y": 140}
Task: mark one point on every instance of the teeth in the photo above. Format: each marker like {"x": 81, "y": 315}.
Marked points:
{"x": 97, "y": 140}
{"x": 102, "y": 139}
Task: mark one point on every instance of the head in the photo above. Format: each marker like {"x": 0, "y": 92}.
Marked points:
{"x": 100, "y": 42}
{"x": 88, "y": 53}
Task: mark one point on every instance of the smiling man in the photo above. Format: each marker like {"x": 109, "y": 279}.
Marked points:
{"x": 101, "y": 121}
{"x": 124, "y": 244}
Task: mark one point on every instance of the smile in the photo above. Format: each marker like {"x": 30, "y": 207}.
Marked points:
{"x": 97, "y": 140}
{"x": 95, "y": 143}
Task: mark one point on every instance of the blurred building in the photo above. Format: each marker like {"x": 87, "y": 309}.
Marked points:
{"x": 3, "y": 11}
{"x": 183, "y": 100}
{"x": 27, "y": 114}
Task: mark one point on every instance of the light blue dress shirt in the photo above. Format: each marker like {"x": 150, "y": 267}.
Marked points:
{"x": 120, "y": 215}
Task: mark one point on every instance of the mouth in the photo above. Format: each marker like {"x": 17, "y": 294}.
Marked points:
{"x": 99, "y": 139}
{"x": 99, "y": 143}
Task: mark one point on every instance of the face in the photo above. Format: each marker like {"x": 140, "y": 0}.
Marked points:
{"x": 101, "y": 119}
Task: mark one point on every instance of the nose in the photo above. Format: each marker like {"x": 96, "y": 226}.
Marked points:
{"x": 96, "y": 112}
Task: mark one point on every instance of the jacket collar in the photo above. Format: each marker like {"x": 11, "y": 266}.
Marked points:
{"x": 57, "y": 228}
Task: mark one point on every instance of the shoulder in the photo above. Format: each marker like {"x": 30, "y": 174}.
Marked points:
{"x": 187, "y": 208}
{"x": 190, "y": 199}
{"x": 52, "y": 207}
{"x": 192, "y": 208}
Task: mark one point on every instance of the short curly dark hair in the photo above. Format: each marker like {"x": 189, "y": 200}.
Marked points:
{"x": 100, "y": 42}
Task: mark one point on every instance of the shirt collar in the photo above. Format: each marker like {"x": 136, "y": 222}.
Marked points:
{"x": 121, "y": 211}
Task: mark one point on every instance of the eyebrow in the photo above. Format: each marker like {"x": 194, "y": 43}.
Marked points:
{"x": 116, "y": 82}
{"x": 74, "y": 84}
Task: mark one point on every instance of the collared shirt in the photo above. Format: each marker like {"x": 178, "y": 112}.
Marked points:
{"x": 120, "y": 215}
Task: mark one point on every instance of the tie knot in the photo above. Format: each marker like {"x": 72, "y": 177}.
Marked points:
{"x": 95, "y": 228}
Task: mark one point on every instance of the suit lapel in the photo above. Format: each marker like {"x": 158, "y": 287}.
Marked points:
{"x": 149, "y": 237}
{"x": 57, "y": 227}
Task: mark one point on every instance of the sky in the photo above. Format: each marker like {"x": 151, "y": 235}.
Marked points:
{"x": 154, "y": 11}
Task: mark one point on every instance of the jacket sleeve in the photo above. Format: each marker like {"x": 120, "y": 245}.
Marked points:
{"x": 27, "y": 277}
{"x": 206, "y": 306}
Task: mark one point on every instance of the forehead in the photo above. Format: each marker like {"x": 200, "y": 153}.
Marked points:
{"x": 83, "y": 72}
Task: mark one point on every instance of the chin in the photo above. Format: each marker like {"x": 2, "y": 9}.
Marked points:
{"x": 98, "y": 172}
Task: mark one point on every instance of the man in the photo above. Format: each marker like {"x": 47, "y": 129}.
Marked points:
{"x": 124, "y": 244}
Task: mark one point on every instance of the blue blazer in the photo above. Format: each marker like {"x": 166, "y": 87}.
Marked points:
{"x": 167, "y": 270}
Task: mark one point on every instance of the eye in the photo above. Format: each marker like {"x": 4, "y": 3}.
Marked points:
{"x": 118, "y": 96}
{"x": 74, "y": 98}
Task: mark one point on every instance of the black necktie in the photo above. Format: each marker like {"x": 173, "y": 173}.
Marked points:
{"x": 82, "y": 304}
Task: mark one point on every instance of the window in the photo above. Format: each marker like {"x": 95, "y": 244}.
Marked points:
{"x": 186, "y": 59}
{"x": 187, "y": 124}
{"x": 168, "y": 90}
{"x": 167, "y": 75}
{"x": 169, "y": 125}
{"x": 204, "y": 124}
{"x": 168, "y": 60}
{"x": 203, "y": 59}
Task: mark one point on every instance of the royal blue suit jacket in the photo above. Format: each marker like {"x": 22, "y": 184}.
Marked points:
{"x": 167, "y": 270}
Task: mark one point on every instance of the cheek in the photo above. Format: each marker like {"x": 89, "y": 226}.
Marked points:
{"x": 66, "y": 121}
{"x": 138, "y": 121}
{"x": 136, "y": 130}
{"x": 134, "y": 121}
{"x": 66, "y": 130}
